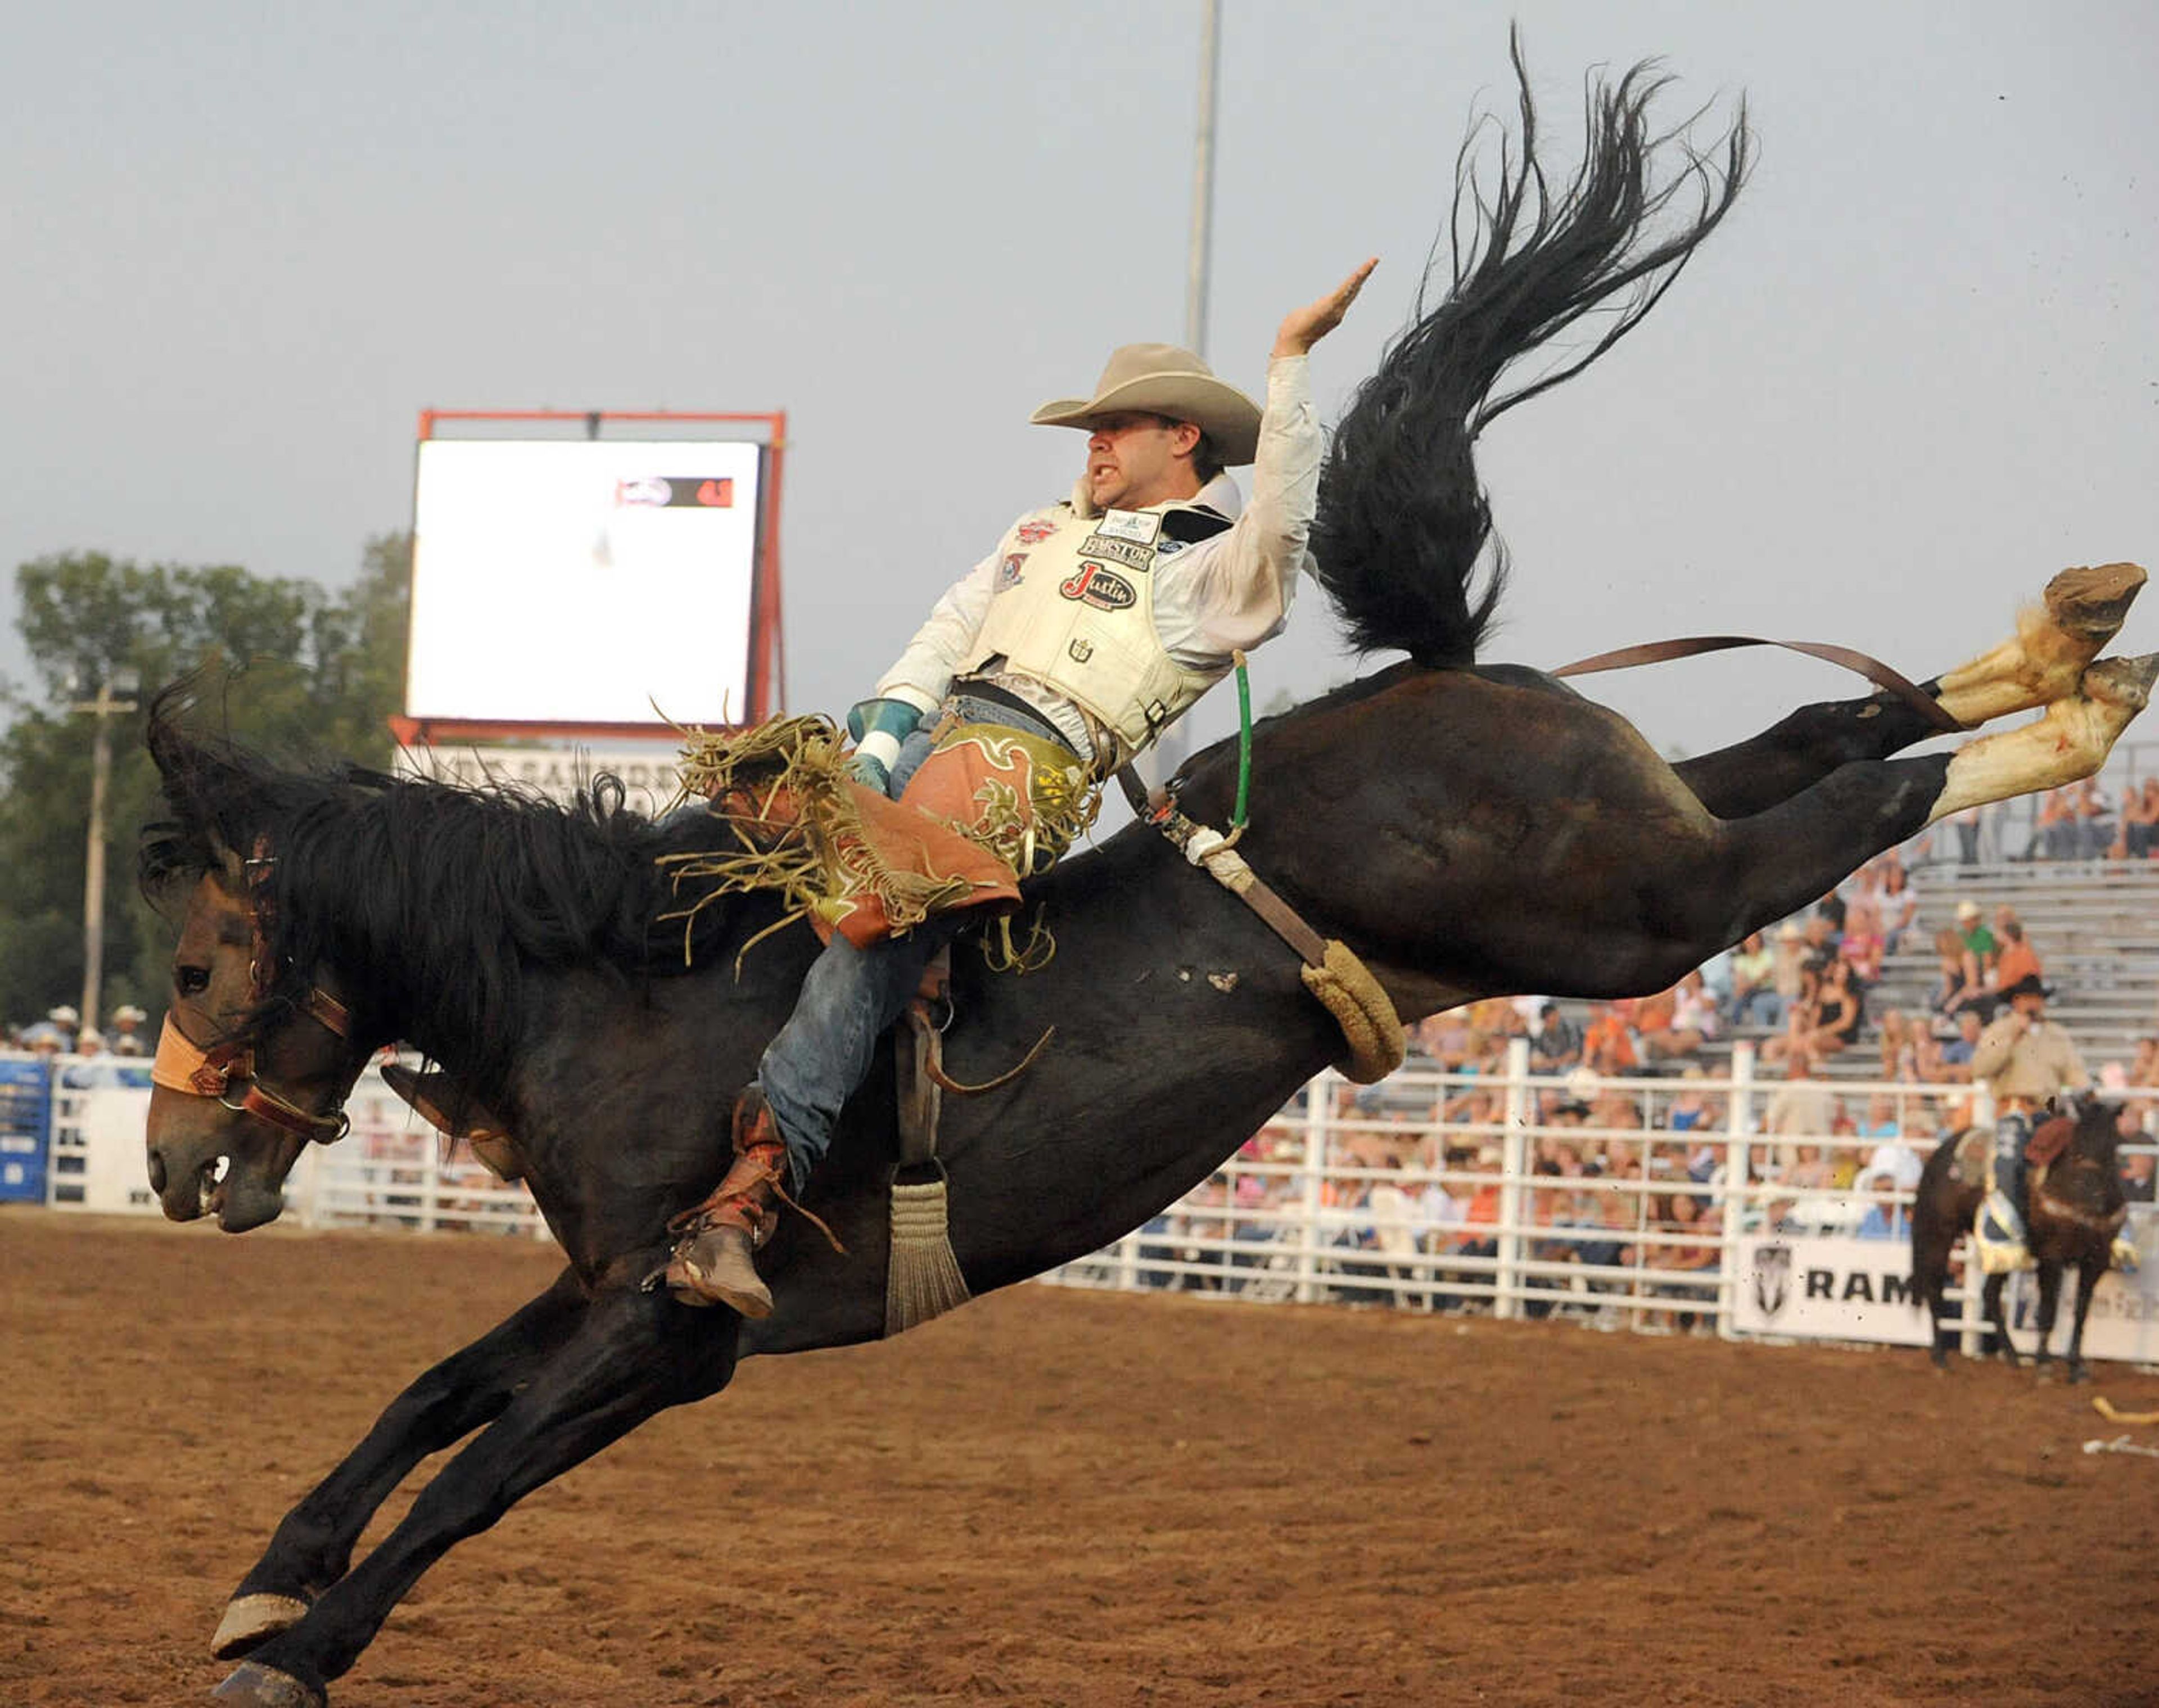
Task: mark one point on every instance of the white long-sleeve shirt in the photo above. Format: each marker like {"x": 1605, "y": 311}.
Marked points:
{"x": 1216, "y": 596}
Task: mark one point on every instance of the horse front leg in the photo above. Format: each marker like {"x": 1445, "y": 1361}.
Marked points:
{"x": 2090, "y": 1273}
{"x": 631, "y": 1354}
{"x": 1991, "y": 1308}
{"x": 313, "y": 1544}
{"x": 2050, "y": 1302}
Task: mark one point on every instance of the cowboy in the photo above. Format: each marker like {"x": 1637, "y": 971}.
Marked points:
{"x": 2025, "y": 1059}
{"x": 1064, "y": 653}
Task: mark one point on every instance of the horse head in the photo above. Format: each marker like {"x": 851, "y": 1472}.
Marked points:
{"x": 257, "y": 1058}
{"x": 2084, "y": 1181}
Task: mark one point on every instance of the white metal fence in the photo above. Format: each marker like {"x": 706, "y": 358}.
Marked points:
{"x": 1750, "y": 1207}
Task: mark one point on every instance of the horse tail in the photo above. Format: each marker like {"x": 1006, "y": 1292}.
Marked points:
{"x": 1402, "y": 518}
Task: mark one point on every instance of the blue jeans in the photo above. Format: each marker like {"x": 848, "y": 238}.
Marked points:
{"x": 849, "y": 1001}
{"x": 852, "y": 996}
{"x": 2013, "y": 1132}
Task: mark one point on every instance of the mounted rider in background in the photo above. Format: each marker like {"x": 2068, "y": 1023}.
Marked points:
{"x": 1060, "y": 657}
{"x": 2025, "y": 1060}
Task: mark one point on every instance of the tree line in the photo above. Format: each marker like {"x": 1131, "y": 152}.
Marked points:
{"x": 282, "y": 664}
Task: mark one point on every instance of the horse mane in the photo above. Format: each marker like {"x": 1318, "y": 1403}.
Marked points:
{"x": 438, "y": 899}
{"x": 1402, "y": 517}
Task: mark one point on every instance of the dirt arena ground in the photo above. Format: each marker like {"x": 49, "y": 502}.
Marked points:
{"x": 1063, "y": 1497}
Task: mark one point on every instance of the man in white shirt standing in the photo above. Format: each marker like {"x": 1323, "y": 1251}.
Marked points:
{"x": 1061, "y": 656}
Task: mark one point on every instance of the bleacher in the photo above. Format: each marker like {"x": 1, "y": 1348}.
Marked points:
{"x": 2095, "y": 925}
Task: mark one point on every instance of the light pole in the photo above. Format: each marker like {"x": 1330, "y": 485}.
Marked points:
{"x": 122, "y": 682}
{"x": 1163, "y": 761}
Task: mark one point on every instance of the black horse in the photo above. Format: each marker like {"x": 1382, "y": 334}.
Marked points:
{"x": 1468, "y": 829}
{"x": 2077, "y": 1208}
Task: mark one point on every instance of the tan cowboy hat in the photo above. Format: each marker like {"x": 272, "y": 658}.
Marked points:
{"x": 1160, "y": 379}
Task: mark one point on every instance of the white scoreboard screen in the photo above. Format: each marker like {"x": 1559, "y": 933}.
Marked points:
{"x": 583, "y": 582}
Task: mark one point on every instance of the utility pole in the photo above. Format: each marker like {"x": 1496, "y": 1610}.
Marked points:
{"x": 1172, "y": 750}
{"x": 103, "y": 709}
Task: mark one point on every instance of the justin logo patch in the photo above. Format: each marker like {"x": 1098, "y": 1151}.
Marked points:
{"x": 1137, "y": 525}
{"x": 1008, "y": 570}
{"x": 1104, "y": 590}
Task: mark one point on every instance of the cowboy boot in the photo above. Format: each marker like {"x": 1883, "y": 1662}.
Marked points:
{"x": 714, "y": 1260}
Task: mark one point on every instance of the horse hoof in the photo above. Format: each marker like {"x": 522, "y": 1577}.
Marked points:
{"x": 2091, "y": 603}
{"x": 2124, "y": 682}
{"x": 266, "y": 1687}
{"x": 250, "y": 1619}
{"x": 2078, "y": 1373}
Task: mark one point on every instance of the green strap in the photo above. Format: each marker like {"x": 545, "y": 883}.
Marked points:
{"x": 1244, "y": 745}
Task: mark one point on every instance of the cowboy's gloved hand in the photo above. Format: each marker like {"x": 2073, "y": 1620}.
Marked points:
{"x": 878, "y": 727}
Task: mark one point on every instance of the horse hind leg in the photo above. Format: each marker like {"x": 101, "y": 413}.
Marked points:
{"x": 2055, "y": 642}
{"x": 2069, "y": 742}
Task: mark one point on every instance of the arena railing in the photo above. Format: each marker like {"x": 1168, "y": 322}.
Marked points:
{"x": 1429, "y": 1192}
{"x": 1422, "y": 1193}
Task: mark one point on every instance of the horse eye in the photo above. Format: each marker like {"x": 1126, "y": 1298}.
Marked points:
{"x": 191, "y": 981}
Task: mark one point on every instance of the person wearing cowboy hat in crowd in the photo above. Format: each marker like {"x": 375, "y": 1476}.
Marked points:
{"x": 126, "y": 1040}
{"x": 1089, "y": 628}
{"x": 2025, "y": 1059}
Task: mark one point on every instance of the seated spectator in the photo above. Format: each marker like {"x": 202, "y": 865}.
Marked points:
{"x": 1829, "y": 1021}
{"x": 1754, "y": 998}
{"x": 1959, "y": 982}
{"x": 1927, "y": 1068}
{"x": 1659, "y": 1034}
{"x": 1884, "y": 1218}
{"x": 2094, "y": 820}
{"x": 1684, "y": 1214}
{"x": 2054, "y": 831}
{"x": 1900, "y": 1058}
{"x": 1802, "y": 1106}
{"x": 1690, "y": 1107}
{"x": 2017, "y": 959}
{"x": 1979, "y": 940}
{"x": 1791, "y": 952}
{"x": 1607, "y": 1048}
{"x": 1957, "y": 1053}
{"x": 2139, "y": 835}
{"x": 1891, "y": 1156}
{"x": 1900, "y": 902}
{"x": 1861, "y": 945}
{"x": 2138, "y": 1172}
{"x": 1556, "y": 1045}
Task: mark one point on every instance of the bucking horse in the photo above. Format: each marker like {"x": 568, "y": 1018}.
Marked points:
{"x": 1465, "y": 829}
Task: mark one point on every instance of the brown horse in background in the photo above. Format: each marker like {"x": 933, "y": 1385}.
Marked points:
{"x": 2077, "y": 1207}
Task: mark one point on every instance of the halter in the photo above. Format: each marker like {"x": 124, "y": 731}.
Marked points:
{"x": 182, "y": 1065}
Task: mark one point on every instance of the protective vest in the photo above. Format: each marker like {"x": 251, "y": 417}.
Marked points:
{"x": 1073, "y": 610}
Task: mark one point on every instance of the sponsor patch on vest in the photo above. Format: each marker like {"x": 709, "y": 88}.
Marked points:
{"x": 1035, "y": 532}
{"x": 1139, "y": 557}
{"x": 1081, "y": 651}
{"x": 1165, "y": 547}
{"x": 1140, "y": 526}
{"x": 1105, "y": 589}
{"x": 1008, "y": 570}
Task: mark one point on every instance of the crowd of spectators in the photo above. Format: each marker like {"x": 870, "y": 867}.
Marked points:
{"x": 61, "y": 1032}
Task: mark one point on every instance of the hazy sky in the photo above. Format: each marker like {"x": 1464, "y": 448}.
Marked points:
{"x": 1917, "y": 370}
